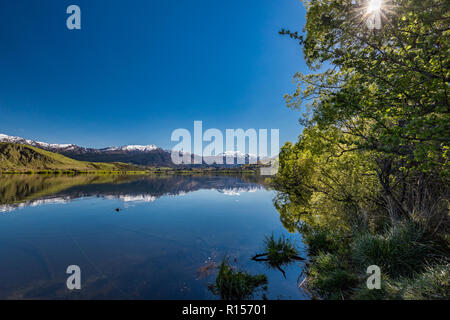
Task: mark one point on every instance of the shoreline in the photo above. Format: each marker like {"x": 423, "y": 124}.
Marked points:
{"x": 133, "y": 172}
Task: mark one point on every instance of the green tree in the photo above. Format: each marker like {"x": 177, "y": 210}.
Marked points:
{"x": 367, "y": 182}
{"x": 323, "y": 183}
{"x": 385, "y": 90}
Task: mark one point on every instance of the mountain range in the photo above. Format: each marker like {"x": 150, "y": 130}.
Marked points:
{"x": 15, "y": 157}
{"x": 60, "y": 148}
{"x": 143, "y": 155}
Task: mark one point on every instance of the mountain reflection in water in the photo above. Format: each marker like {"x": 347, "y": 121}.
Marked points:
{"x": 135, "y": 237}
{"x": 19, "y": 191}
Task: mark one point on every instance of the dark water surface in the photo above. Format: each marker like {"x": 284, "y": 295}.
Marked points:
{"x": 163, "y": 243}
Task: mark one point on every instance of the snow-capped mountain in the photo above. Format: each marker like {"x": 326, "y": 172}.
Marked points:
{"x": 146, "y": 155}
{"x": 38, "y": 144}
{"x": 72, "y": 147}
{"x": 149, "y": 147}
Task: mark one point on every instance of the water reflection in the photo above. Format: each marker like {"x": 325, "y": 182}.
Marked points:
{"x": 19, "y": 191}
{"x": 165, "y": 242}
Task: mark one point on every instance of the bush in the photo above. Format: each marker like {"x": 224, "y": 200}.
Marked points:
{"x": 279, "y": 252}
{"x": 433, "y": 283}
{"x": 236, "y": 285}
{"x": 401, "y": 251}
{"x": 329, "y": 277}
{"x": 320, "y": 241}
{"x": 388, "y": 291}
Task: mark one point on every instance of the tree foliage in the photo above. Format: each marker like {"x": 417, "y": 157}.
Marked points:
{"x": 319, "y": 175}
{"x": 373, "y": 154}
{"x": 384, "y": 90}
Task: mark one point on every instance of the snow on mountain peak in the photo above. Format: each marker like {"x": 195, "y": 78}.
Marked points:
{"x": 66, "y": 147}
{"x": 140, "y": 148}
{"x": 54, "y": 145}
{"x": 13, "y": 139}
{"x": 6, "y": 138}
{"x": 150, "y": 147}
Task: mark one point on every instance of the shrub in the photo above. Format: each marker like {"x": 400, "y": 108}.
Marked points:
{"x": 401, "y": 251}
{"x": 320, "y": 241}
{"x": 279, "y": 252}
{"x": 329, "y": 277}
{"x": 236, "y": 285}
{"x": 388, "y": 291}
{"x": 433, "y": 283}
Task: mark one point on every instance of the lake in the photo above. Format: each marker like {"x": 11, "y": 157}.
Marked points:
{"x": 136, "y": 237}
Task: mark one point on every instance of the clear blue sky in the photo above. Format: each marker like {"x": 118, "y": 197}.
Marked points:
{"x": 137, "y": 70}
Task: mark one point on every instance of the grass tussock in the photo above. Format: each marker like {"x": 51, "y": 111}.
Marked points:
{"x": 412, "y": 266}
{"x": 433, "y": 283}
{"x": 279, "y": 251}
{"x": 401, "y": 251}
{"x": 233, "y": 284}
{"x": 320, "y": 241}
{"x": 330, "y": 277}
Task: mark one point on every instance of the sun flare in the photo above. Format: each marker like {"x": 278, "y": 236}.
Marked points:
{"x": 374, "y": 6}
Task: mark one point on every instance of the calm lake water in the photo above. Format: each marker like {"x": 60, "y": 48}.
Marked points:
{"x": 162, "y": 243}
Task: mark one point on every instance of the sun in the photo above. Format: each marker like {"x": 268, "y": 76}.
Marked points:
{"x": 374, "y": 6}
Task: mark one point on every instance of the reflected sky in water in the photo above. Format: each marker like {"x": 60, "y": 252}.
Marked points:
{"x": 162, "y": 243}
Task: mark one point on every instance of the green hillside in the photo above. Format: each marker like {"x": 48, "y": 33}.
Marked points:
{"x": 23, "y": 158}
